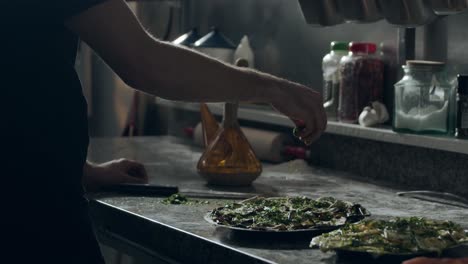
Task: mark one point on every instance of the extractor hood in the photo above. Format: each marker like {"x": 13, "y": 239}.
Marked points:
{"x": 404, "y": 13}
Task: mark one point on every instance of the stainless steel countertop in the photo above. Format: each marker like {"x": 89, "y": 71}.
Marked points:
{"x": 179, "y": 233}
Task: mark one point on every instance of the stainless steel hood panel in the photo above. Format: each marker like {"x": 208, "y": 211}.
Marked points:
{"x": 405, "y": 13}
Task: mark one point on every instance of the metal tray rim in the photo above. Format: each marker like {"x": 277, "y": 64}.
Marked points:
{"x": 207, "y": 218}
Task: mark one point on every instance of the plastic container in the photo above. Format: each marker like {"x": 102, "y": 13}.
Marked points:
{"x": 244, "y": 51}
{"x": 361, "y": 83}
{"x": 331, "y": 77}
{"x": 424, "y": 100}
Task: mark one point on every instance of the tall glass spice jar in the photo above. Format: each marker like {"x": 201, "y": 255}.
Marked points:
{"x": 424, "y": 100}
{"x": 331, "y": 77}
{"x": 361, "y": 80}
{"x": 461, "y": 130}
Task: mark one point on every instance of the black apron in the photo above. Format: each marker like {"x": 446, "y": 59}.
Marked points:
{"x": 44, "y": 136}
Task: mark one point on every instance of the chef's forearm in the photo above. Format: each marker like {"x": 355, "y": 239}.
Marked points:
{"x": 177, "y": 73}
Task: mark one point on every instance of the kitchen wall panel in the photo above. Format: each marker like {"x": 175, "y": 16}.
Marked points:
{"x": 457, "y": 41}
{"x": 445, "y": 40}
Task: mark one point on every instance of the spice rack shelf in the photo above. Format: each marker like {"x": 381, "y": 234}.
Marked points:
{"x": 383, "y": 134}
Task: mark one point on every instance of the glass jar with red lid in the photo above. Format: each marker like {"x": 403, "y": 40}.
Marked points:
{"x": 361, "y": 80}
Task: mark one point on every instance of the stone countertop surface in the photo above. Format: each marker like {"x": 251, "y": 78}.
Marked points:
{"x": 169, "y": 161}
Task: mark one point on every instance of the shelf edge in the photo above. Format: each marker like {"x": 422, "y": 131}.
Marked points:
{"x": 377, "y": 134}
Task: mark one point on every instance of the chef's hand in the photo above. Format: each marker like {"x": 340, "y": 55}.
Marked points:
{"x": 113, "y": 172}
{"x": 305, "y": 108}
{"x": 437, "y": 261}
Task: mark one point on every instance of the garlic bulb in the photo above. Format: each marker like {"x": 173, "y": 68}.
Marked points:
{"x": 368, "y": 117}
{"x": 381, "y": 110}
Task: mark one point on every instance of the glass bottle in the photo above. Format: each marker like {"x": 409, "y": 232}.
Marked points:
{"x": 209, "y": 124}
{"x": 331, "y": 77}
{"x": 361, "y": 84}
{"x": 461, "y": 130}
{"x": 229, "y": 159}
{"x": 424, "y": 100}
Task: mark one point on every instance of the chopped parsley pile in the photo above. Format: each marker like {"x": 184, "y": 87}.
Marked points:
{"x": 176, "y": 199}
{"x": 181, "y": 199}
{"x": 288, "y": 213}
{"x": 412, "y": 235}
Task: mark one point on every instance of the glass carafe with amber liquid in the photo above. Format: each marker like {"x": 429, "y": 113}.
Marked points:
{"x": 209, "y": 124}
{"x": 229, "y": 158}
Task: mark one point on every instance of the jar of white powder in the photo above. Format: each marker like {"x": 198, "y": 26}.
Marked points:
{"x": 424, "y": 100}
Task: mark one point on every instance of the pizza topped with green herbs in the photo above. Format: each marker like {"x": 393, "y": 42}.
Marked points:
{"x": 398, "y": 236}
{"x": 288, "y": 213}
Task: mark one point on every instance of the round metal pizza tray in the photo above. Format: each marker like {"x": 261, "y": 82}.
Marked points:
{"x": 322, "y": 229}
{"x": 267, "y": 239}
{"x": 364, "y": 257}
